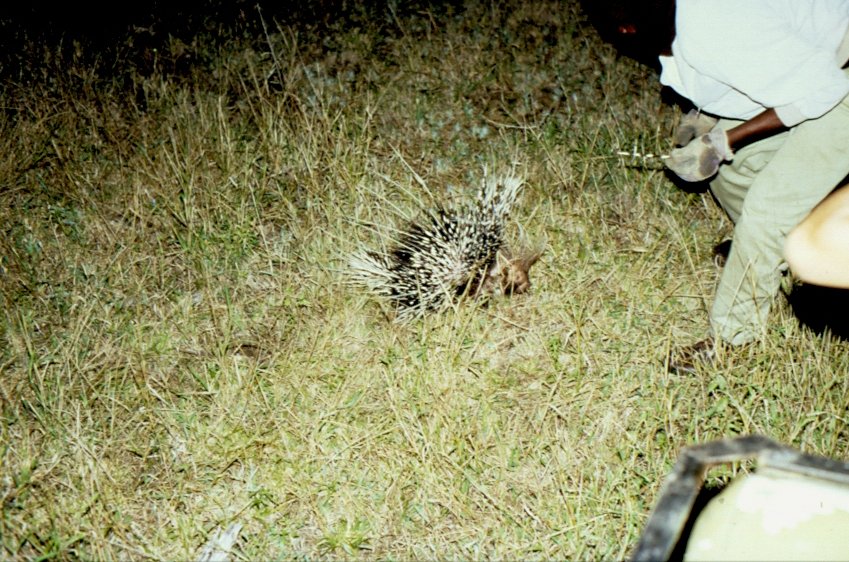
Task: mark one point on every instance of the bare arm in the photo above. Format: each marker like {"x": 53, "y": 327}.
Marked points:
{"x": 759, "y": 127}
{"x": 818, "y": 249}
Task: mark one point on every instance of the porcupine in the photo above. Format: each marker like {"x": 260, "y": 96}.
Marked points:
{"x": 449, "y": 253}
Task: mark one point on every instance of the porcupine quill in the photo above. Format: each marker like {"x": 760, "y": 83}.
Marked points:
{"x": 449, "y": 253}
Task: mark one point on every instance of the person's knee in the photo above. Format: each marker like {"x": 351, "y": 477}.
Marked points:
{"x": 759, "y": 237}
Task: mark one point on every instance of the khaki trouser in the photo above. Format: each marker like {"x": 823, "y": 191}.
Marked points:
{"x": 768, "y": 188}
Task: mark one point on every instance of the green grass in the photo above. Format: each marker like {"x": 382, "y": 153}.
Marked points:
{"x": 180, "y": 351}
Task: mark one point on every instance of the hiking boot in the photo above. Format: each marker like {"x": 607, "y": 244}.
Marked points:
{"x": 693, "y": 358}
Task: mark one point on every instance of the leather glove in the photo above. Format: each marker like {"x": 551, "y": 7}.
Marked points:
{"x": 701, "y": 158}
{"x": 693, "y": 124}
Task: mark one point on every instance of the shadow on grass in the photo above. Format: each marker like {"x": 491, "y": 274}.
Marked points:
{"x": 821, "y": 309}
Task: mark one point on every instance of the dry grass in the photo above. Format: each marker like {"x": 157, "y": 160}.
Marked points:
{"x": 180, "y": 351}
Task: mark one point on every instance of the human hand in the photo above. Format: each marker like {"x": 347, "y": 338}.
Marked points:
{"x": 701, "y": 158}
{"x": 693, "y": 124}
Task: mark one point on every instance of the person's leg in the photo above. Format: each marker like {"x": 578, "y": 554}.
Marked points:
{"x": 810, "y": 161}
{"x": 817, "y": 250}
{"x": 729, "y": 188}
{"x": 734, "y": 179}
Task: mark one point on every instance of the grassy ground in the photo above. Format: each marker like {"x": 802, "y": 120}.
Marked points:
{"x": 179, "y": 349}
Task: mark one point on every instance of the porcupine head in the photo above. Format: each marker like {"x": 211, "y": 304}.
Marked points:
{"x": 450, "y": 253}
{"x": 510, "y": 274}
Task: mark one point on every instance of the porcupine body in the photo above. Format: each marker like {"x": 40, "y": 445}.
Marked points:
{"x": 449, "y": 253}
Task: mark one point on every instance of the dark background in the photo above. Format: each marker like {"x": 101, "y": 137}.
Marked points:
{"x": 123, "y": 34}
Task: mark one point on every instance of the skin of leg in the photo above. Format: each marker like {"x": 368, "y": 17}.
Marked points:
{"x": 817, "y": 250}
{"x": 804, "y": 167}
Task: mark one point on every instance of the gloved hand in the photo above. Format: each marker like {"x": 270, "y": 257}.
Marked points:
{"x": 693, "y": 124}
{"x": 701, "y": 158}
